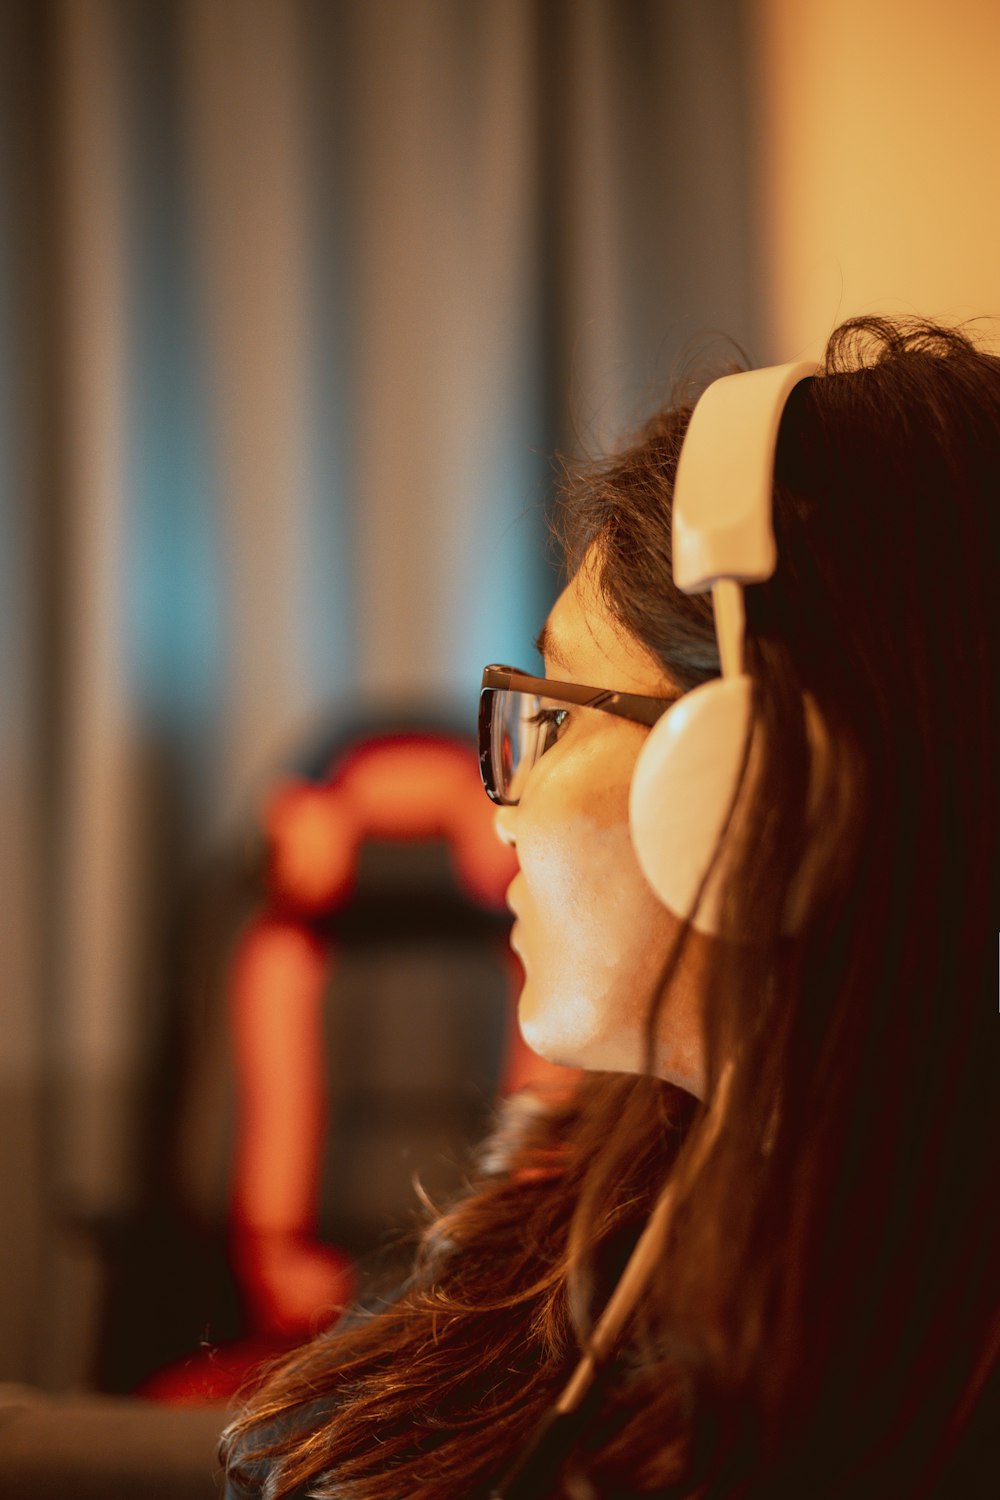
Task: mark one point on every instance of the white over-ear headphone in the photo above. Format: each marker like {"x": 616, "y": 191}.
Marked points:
{"x": 688, "y": 769}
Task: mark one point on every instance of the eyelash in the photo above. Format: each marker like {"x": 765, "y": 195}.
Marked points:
{"x": 548, "y": 716}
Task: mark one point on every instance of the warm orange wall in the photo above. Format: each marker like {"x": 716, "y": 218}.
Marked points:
{"x": 879, "y": 140}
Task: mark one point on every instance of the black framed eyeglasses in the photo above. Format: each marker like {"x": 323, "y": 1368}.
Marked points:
{"x": 520, "y": 717}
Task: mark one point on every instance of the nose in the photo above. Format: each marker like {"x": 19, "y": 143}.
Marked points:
{"x": 503, "y": 826}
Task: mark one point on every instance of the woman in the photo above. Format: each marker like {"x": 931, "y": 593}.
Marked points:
{"x": 800, "y": 1096}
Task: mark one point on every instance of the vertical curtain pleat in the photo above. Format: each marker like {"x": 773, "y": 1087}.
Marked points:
{"x": 22, "y": 378}
{"x": 245, "y": 139}
{"x": 91, "y": 882}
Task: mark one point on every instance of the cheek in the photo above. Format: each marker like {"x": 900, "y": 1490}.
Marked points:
{"x": 593, "y": 940}
{"x": 584, "y": 879}
{"x": 573, "y": 841}
{"x": 592, "y": 933}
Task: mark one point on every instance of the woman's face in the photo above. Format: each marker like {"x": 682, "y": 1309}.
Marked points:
{"x": 590, "y": 934}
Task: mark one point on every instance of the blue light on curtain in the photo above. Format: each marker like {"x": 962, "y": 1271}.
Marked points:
{"x": 172, "y": 603}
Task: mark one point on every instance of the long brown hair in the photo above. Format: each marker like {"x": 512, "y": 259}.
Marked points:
{"x": 825, "y": 1318}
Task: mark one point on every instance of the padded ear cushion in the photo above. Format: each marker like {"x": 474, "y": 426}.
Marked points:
{"x": 682, "y": 785}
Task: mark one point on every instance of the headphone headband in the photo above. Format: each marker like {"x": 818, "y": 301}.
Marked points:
{"x": 722, "y": 525}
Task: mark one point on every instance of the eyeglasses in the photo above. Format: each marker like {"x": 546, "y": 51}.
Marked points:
{"x": 520, "y": 717}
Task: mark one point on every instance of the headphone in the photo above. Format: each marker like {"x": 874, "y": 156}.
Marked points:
{"x": 688, "y": 770}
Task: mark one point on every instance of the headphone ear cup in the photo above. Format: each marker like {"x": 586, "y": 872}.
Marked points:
{"x": 682, "y": 786}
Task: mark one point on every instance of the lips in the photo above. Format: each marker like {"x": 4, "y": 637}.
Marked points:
{"x": 509, "y": 895}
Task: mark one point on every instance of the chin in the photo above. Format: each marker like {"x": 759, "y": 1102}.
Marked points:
{"x": 545, "y": 1025}
{"x": 535, "y": 1021}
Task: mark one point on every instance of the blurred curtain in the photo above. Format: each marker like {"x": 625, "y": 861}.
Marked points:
{"x": 296, "y": 300}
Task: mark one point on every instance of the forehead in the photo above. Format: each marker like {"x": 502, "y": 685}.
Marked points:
{"x": 585, "y": 643}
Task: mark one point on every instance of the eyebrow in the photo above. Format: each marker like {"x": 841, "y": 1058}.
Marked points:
{"x": 547, "y": 647}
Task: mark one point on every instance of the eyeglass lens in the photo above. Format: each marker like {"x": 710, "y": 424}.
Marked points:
{"x": 522, "y": 729}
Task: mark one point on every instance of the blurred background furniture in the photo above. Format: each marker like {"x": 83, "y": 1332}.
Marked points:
{"x": 359, "y": 1027}
{"x": 106, "y": 1448}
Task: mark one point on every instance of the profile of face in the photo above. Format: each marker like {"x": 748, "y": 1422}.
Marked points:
{"x": 591, "y": 935}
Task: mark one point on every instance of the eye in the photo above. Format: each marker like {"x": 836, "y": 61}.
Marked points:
{"x": 550, "y": 721}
